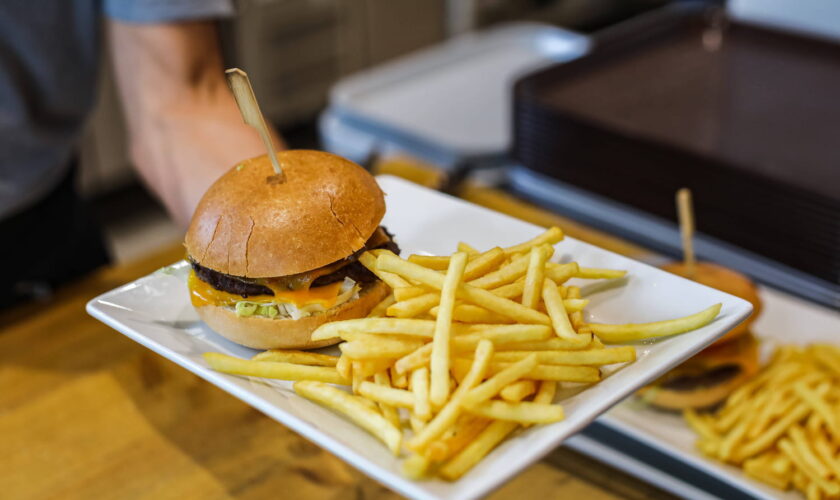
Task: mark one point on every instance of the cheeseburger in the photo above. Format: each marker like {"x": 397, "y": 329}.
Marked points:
{"x": 713, "y": 374}
{"x": 274, "y": 260}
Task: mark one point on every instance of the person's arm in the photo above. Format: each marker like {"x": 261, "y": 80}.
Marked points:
{"x": 184, "y": 127}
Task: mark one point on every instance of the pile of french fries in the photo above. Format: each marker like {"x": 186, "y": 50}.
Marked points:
{"x": 467, "y": 349}
{"x": 782, "y": 427}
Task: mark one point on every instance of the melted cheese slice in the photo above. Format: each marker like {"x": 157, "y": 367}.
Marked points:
{"x": 202, "y": 294}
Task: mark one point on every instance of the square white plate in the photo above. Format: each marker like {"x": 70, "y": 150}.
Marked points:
{"x": 155, "y": 311}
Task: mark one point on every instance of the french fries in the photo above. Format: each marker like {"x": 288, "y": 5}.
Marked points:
{"x": 558, "y": 373}
{"x": 517, "y": 391}
{"x": 439, "y": 363}
{"x": 388, "y": 411}
{"x": 497, "y": 382}
{"x": 478, "y": 296}
{"x": 449, "y": 413}
{"x": 297, "y": 357}
{"x": 629, "y": 332}
{"x": 420, "y": 387}
{"x": 558, "y": 314}
{"x": 524, "y": 412}
{"x": 421, "y": 327}
{"x": 534, "y": 277}
{"x": 273, "y": 369}
{"x": 414, "y": 306}
{"x": 468, "y": 348}
{"x": 591, "y": 357}
{"x": 781, "y": 426}
{"x": 386, "y": 395}
{"x": 477, "y": 449}
{"x": 353, "y": 408}
{"x": 550, "y": 237}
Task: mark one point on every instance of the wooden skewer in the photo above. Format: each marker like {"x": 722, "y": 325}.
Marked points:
{"x": 250, "y": 110}
{"x": 685, "y": 212}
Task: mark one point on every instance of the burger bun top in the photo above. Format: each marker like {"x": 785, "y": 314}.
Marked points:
{"x": 246, "y": 226}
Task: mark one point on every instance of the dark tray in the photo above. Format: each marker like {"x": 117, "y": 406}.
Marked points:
{"x": 749, "y": 118}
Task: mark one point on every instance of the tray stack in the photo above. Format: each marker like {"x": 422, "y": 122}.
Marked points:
{"x": 748, "y": 118}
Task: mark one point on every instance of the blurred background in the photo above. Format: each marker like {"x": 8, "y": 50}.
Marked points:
{"x": 587, "y": 114}
{"x": 544, "y": 100}
{"x": 294, "y": 52}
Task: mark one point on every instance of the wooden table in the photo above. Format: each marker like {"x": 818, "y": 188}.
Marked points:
{"x": 87, "y": 413}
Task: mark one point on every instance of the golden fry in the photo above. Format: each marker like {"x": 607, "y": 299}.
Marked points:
{"x": 560, "y": 373}
{"x": 469, "y": 313}
{"x": 534, "y": 277}
{"x": 439, "y": 362}
{"x": 550, "y": 344}
{"x": 416, "y": 466}
{"x": 386, "y": 395}
{"x": 524, "y": 412}
{"x": 353, "y": 408}
{"x": 623, "y": 354}
{"x": 456, "y": 438}
{"x": 504, "y": 275}
{"x": 409, "y": 292}
{"x": 389, "y": 412}
{"x": 368, "y": 260}
{"x": 592, "y": 273}
{"x": 558, "y": 314}
{"x": 438, "y": 263}
{"x": 497, "y": 382}
{"x": 272, "y": 369}
{"x": 420, "y": 387}
{"x": 419, "y": 327}
{"x": 546, "y": 392}
{"x": 477, "y": 449}
{"x": 449, "y": 413}
{"x": 369, "y": 367}
{"x": 358, "y": 350}
{"x": 414, "y": 306}
{"x": 631, "y": 332}
{"x": 517, "y": 391}
{"x": 561, "y": 273}
{"x": 483, "y": 263}
{"x": 297, "y": 357}
{"x": 552, "y": 236}
{"x": 465, "y": 247}
{"x": 381, "y": 308}
{"x": 399, "y": 380}
{"x": 344, "y": 367}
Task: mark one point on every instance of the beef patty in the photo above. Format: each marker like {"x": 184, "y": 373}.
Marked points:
{"x": 349, "y": 267}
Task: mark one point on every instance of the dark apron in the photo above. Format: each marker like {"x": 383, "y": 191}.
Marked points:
{"x": 51, "y": 243}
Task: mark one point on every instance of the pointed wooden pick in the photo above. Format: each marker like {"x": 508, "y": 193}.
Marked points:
{"x": 250, "y": 110}
{"x": 685, "y": 212}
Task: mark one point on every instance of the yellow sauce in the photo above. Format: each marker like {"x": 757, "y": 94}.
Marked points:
{"x": 202, "y": 294}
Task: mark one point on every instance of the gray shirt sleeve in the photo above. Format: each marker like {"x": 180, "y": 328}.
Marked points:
{"x": 156, "y": 11}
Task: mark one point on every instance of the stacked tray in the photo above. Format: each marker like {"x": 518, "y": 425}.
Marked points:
{"x": 449, "y": 104}
{"x": 747, "y": 117}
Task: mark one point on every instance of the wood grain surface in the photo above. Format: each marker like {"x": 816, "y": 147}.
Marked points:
{"x": 87, "y": 413}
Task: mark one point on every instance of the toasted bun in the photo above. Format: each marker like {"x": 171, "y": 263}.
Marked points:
{"x": 325, "y": 210}
{"x": 741, "y": 352}
{"x": 725, "y": 280}
{"x": 265, "y": 333}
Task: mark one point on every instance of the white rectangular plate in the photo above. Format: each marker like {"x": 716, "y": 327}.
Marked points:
{"x": 784, "y": 320}
{"x": 155, "y": 311}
